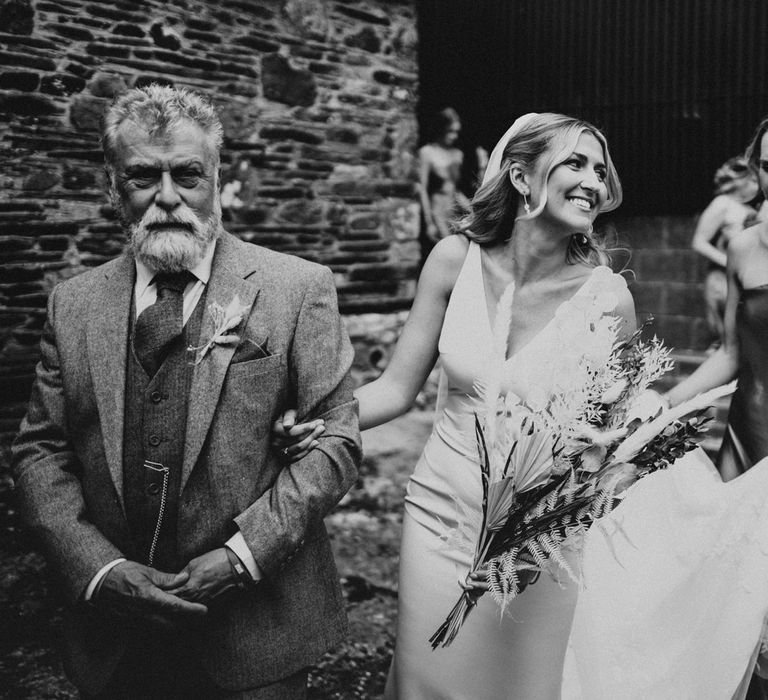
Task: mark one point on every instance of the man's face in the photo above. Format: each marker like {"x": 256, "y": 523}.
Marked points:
{"x": 165, "y": 190}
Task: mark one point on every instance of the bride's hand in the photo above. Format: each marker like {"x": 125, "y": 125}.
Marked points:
{"x": 295, "y": 440}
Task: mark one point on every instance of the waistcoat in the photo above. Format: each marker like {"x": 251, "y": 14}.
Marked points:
{"x": 153, "y": 446}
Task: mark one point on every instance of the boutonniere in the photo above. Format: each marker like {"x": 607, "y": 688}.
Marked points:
{"x": 225, "y": 322}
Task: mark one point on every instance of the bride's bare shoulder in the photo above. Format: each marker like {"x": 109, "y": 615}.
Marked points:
{"x": 444, "y": 263}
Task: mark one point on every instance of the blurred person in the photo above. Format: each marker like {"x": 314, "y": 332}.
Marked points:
{"x": 734, "y": 208}
{"x": 440, "y": 171}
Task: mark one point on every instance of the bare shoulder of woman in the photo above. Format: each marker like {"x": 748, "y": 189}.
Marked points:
{"x": 442, "y": 266}
{"x": 748, "y": 241}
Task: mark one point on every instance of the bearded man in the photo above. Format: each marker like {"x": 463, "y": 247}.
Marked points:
{"x": 194, "y": 561}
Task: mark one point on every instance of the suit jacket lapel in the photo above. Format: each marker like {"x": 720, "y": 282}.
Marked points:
{"x": 228, "y": 274}
{"x": 107, "y": 342}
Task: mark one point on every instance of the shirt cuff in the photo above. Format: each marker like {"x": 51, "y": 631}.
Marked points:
{"x": 99, "y": 577}
{"x": 237, "y": 544}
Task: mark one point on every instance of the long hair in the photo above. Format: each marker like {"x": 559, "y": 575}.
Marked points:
{"x": 546, "y": 140}
{"x": 753, "y": 149}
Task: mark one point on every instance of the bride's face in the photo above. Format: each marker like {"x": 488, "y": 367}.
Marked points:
{"x": 576, "y": 188}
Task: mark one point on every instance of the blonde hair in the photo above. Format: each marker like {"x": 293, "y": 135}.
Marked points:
{"x": 546, "y": 140}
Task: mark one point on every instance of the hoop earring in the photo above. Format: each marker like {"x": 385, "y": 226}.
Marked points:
{"x": 526, "y": 206}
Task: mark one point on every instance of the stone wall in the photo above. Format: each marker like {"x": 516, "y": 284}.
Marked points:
{"x": 667, "y": 278}
{"x": 318, "y": 101}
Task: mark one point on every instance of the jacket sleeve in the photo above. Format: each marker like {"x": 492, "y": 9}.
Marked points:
{"x": 276, "y": 525}
{"x": 47, "y": 472}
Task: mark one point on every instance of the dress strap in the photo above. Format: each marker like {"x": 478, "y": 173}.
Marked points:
{"x": 463, "y": 314}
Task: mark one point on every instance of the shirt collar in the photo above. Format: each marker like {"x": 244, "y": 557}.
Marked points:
{"x": 145, "y": 274}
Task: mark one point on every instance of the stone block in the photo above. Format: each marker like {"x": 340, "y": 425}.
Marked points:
{"x": 374, "y": 272}
{"x": 680, "y": 231}
{"x": 302, "y": 211}
{"x": 253, "y": 41}
{"x": 61, "y": 84}
{"x": 41, "y": 180}
{"x": 282, "y": 192}
{"x": 366, "y": 39}
{"x": 365, "y": 222}
{"x": 323, "y": 68}
{"x": 388, "y": 77}
{"x": 685, "y": 299}
{"x": 105, "y": 84}
{"x": 343, "y": 134}
{"x": 206, "y": 38}
{"x": 17, "y": 16}
{"x": 109, "y": 11}
{"x": 12, "y": 58}
{"x": 372, "y": 17}
{"x": 282, "y": 83}
{"x": 78, "y": 178}
{"x": 19, "y": 80}
{"x": 128, "y": 29}
{"x": 278, "y": 133}
{"x": 71, "y": 31}
{"x": 28, "y": 105}
{"x": 85, "y": 112}
{"x": 23, "y": 272}
{"x": 107, "y": 51}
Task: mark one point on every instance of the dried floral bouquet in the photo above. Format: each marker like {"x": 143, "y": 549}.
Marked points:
{"x": 550, "y": 469}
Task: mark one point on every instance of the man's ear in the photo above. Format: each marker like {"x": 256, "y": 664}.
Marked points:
{"x": 519, "y": 179}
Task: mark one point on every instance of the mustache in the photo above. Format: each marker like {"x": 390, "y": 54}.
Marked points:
{"x": 157, "y": 220}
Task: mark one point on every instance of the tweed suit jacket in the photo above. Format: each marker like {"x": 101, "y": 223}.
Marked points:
{"x": 68, "y": 460}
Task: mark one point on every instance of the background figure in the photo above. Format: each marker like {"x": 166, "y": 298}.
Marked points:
{"x": 440, "y": 171}
{"x": 733, "y": 209}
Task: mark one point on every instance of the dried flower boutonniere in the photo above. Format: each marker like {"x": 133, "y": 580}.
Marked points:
{"x": 225, "y": 322}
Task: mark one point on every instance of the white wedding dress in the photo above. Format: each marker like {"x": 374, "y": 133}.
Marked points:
{"x": 520, "y": 655}
{"x": 675, "y": 589}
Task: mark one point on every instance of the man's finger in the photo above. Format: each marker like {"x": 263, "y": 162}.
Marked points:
{"x": 167, "y": 581}
{"x": 289, "y": 418}
{"x": 174, "y": 604}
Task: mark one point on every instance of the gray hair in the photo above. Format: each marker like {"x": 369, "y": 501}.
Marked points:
{"x": 159, "y": 108}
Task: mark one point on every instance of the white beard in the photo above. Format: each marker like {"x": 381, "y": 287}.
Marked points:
{"x": 172, "y": 250}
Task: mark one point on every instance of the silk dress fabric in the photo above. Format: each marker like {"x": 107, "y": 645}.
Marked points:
{"x": 675, "y": 598}
{"x": 746, "y": 440}
{"x": 517, "y": 656}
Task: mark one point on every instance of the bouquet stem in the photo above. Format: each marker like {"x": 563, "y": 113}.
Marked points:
{"x": 447, "y": 632}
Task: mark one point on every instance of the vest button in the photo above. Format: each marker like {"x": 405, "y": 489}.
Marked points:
{"x": 154, "y": 440}
{"x": 156, "y": 397}
{"x": 153, "y": 489}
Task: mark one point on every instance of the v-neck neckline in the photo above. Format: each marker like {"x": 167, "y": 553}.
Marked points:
{"x": 489, "y": 323}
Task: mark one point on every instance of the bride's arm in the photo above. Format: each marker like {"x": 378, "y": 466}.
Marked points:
{"x": 415, "y": 353}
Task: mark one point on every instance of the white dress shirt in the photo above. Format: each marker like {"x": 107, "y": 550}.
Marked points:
{"x": 145, "y": 294}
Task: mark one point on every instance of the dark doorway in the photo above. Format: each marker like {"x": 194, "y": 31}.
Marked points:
{"x": 677, "y": 85}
